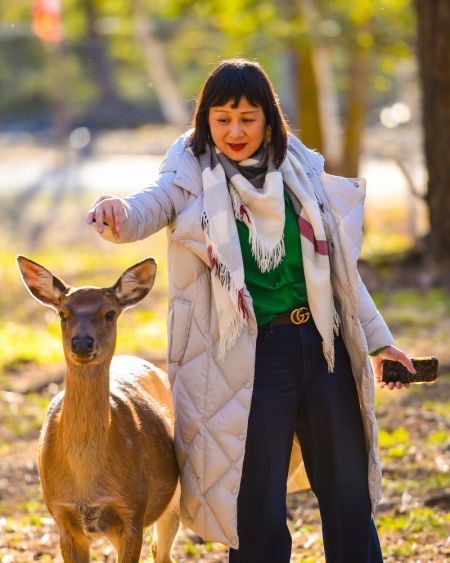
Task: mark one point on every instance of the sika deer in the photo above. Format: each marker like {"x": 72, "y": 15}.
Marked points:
{"x": 106, "y": 455}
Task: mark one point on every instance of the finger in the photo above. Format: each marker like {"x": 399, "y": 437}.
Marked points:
{"x": 90, "y": 216}
{"x": 111, "y": 221}
{"x": 391, "y": 385}
{"x": 99, "y": 215}
{"x": 406, "y": 385}
{"x": 404, "y": 360}
{"x": 398, "y": 384}
{"x": 382, "y": 384}
{"x": 118, "y": 217}
{"x": 100, "y": 199}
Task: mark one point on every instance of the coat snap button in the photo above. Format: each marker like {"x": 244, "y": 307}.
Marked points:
{"x": 249, "y": 384}
{"x": 356, "y": 185}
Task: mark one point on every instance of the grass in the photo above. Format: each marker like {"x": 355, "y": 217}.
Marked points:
{"x": 416, "y": 521}
{"x": 23, "y": 419}
{"x": 30, "y": 332}
{"x": 30, "y": 342}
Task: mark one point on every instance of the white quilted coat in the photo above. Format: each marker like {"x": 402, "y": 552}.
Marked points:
{"x": 212, "y": 397}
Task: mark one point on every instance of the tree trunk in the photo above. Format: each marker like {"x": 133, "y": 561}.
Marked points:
{"x": 318, "y": 114}
{"x": 59, "y": 93}
{"x": 356, "y": 111}
{"x": 329, "y": 110}
{"x": 434, "y": 58}
{"x": 101, "y": 66}
{"x": 159, "y": 72}
{"x": 309, "y": 111}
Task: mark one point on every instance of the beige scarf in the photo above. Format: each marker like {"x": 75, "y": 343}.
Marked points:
{"x": 252, "y": 191}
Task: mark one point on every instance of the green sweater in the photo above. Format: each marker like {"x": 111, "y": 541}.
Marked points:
{"x": 283, "y": 288}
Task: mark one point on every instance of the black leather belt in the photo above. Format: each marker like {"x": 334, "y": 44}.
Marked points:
{"x": 298, "y": 316}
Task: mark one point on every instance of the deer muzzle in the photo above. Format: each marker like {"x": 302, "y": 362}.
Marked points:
{"x": 82, "y": 346}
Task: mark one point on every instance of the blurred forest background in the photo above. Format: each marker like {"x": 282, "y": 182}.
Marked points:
{"x": 92, "y": 94}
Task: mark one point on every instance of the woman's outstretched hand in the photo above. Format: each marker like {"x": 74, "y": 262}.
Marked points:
{"x": 108, "y": 210}
{"x": 391, "y": 353}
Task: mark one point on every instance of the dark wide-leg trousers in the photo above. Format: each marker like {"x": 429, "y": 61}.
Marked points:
{"x": 293, "y": 392}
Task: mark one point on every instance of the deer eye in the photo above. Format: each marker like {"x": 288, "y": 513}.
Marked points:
{"x": 110, "y": 315}
{"x": 62, "y": 315}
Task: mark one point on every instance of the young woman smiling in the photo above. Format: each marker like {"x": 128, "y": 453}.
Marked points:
{"x": 237, "y": 131}
{"x": 270, "y": 326}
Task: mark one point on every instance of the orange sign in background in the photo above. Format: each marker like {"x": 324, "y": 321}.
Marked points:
{"x": 47, "y": 20}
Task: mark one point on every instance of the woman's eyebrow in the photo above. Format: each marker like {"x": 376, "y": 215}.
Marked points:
{"x": 217, "y": 110}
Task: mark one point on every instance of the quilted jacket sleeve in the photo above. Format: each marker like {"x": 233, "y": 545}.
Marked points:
{"x": 346, "y": 198}
{"x": 153, "y": 208}
{"x": 375, "y": 329}
{"x": 158, "y": 205}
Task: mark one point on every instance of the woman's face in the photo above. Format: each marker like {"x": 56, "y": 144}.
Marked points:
{"x": 237, "y": 132}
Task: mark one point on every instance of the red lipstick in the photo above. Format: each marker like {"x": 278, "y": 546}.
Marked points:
{"x": 237, "y": 147}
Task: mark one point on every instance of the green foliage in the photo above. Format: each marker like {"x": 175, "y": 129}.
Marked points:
{"x": 195, "y": 34}
{"x": 440, "y": 437}
{"x": 191, "y": 549}
{"x": 441, "y": 408}
{"x": 21, "y": 342}
{"x": 399, "y": 436}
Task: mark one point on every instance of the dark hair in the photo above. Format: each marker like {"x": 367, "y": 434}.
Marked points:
{"x": 230, "y": 80}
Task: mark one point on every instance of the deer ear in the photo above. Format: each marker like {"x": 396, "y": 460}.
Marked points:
{"x": 134, "y": 284}
{"x": 42, "y": 284}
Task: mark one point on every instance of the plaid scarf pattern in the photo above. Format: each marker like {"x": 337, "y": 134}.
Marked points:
{"x": 252, "y": 191}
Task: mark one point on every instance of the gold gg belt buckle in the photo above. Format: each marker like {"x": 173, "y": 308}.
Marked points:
{"x": 300, "y": 316}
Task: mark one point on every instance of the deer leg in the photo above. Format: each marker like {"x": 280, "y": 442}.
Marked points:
{"x": 166, "y": 530}
{"x": 130, "y": 546}
{"x": 73, "y": 550}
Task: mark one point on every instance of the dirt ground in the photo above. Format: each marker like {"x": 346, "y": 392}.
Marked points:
{"x": 44, "y": 214}
{"x": 413, "y": 515}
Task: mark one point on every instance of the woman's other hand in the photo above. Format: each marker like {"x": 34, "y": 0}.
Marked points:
{"x": 391, "y": 353}
{"x": 108, "y": 210}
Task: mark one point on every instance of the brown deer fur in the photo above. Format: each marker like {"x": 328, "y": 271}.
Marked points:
{"x": 106, "y": 456}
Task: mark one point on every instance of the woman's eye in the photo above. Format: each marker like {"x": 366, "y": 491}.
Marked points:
{"x": 110, "y": 315}
{"x": 222, "y": 120}
{"x": 248, "y": 120}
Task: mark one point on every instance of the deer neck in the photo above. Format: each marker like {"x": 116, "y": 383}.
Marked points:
{"x": 85, "y": 417}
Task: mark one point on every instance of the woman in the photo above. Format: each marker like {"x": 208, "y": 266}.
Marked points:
{"x": 270, "y": 326}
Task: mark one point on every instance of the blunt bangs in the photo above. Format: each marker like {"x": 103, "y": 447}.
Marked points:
{"x": 232, "y": 80}
{"x": 231, "y": 85}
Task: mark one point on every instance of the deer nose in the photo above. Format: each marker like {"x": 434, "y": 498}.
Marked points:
{"x": 82, "y": 346}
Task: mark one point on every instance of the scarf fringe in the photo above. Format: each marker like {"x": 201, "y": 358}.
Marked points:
{"x": 266, "y": 258}
{"x": 240, "y": 314}
{"x": 329, "y": 356}
{"x": 336, "y": 322}
{"x": 231, "y": 334}
{"x": 328, "y": 348}
{"x": 217, "y": 266}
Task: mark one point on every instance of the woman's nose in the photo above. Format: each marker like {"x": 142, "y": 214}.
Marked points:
{"x": 235, "y": 130}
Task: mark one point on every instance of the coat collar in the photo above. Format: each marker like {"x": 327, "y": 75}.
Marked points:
{"x": 181, "y": 161}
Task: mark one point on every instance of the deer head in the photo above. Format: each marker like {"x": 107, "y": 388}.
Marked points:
{"x": 88, "y": 314}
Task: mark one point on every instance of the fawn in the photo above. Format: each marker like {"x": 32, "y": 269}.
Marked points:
{"x": 106, "y": 456}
